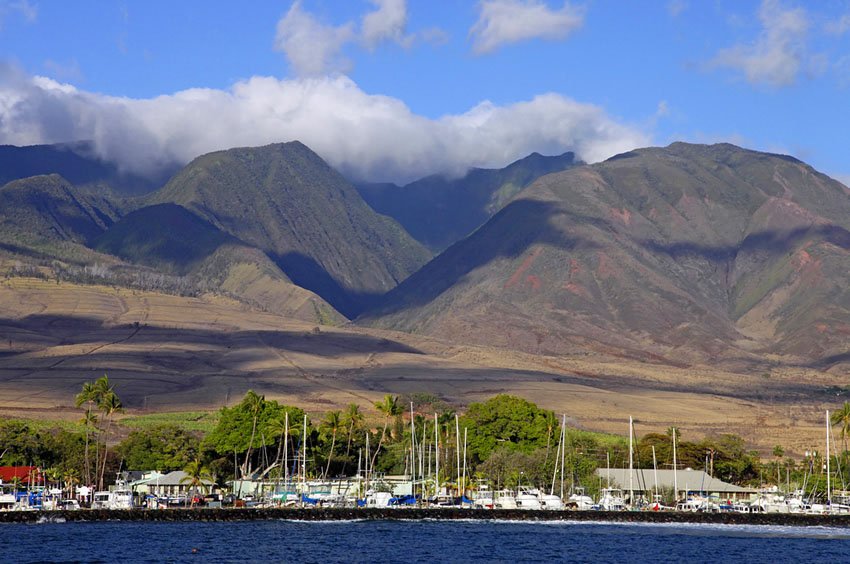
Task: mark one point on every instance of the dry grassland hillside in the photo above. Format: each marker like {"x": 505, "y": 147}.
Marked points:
{"x": 170, "y": 353}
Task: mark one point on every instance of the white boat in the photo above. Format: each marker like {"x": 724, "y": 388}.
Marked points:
{"x": 611, "y": 499}
{"x": 115, "y": 499}
{"x": 483, "y": 499}
{"x": 580, "y": 500}
{"x": 7, "y": 500}
{"x": 378, "y": 499}
{"x": 527, "y": 499}
{"x": 551, "y": 502}
{"x": 505, "y": 499}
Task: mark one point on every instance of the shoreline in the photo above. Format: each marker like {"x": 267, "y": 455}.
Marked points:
{"x": 413, "y": 514}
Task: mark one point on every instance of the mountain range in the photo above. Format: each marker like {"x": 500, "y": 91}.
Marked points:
{"x": 679, "y": 254}
{"x": 439, "y": 210}
{"x": 675, "y": 255}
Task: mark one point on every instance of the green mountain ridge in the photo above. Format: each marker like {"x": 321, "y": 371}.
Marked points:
{"x": 39, "y": 210}
{"x": 438, "y": 210}
{"x": 286, "y": 201}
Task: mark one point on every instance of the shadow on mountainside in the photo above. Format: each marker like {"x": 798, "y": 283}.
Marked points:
{"x": 509, "y": 234}
{"x": 774, "y": 242}
{"x": 827, "y": 362}
{"x": 75, "y": 330}
{"x": 304, "y": 271}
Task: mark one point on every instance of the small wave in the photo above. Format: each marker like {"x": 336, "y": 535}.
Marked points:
{"x": 45, "y": 519}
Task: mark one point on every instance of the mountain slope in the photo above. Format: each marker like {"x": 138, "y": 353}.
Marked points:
{"x": 285, "y": 200}
{"x": 75, "y": 162}
{"x": 173, "y": 240}
{"x": 683, "y": 253}
{"x": 437, "y": 211}
{"x": 41, "y": 211}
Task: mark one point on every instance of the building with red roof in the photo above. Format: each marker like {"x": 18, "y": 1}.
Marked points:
{"x": 26, "y": 474}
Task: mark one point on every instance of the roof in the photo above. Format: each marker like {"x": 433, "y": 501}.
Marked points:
{"x": 175, "y": 478}
{"x": 688, "y": 480}
{"x": 23, "y": 473}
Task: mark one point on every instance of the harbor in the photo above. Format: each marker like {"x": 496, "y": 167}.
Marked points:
{"x": 421, "y": 514}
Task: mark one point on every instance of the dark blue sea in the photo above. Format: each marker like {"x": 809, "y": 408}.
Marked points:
{"x": 419, "y": 541}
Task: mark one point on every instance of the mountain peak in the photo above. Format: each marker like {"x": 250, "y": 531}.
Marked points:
{"x": 285, "y": 200}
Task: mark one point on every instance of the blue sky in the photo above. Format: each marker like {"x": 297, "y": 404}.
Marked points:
{"x": 393, "y": 89}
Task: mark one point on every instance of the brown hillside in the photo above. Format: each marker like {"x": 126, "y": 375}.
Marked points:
{"x": 683, "y": 254}
{"x": 202, "y": 353}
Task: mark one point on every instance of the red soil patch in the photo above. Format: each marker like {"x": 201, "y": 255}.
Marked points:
{"x": 526, "y": 264}
{"x": 606, "y": 268}
{"x": 624, "y": 215}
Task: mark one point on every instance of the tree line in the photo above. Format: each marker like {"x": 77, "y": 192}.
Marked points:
{"x": 507, "y": 441}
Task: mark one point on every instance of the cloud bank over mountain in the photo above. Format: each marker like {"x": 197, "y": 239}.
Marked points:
{"x": 367, "y": 136}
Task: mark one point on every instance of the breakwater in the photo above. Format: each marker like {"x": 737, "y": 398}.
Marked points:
{"x": 413, "y": 514}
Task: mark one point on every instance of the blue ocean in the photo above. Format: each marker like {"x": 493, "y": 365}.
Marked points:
{"x": 418, "y": 541}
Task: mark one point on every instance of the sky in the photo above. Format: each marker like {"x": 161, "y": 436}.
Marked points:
{"x": 392, "y": 90}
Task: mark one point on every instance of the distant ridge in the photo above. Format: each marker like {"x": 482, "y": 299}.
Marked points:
{"x": 41, "y": 210}
{"x": 77, "y": 163}
{"x": 437, "y": 211}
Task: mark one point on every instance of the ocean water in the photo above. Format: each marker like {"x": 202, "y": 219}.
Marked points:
{"x": 417, "y": 541}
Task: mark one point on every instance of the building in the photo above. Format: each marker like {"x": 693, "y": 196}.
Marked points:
{"x": 172, "y": 484}
{"x": 687, "y": 481}
{"x": 24, "y": 475}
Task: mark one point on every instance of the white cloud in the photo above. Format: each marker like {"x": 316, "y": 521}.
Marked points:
{"x": 313, "y": 48}
{"x": 387, "y": 22}
{"x": 840, "y": 26}
{"x": 510, "y": 21}
{"x": 778, "y": 55}
{"x": 364, "y": 135}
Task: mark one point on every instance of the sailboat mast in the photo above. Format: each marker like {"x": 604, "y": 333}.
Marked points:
{"x": 563, "y": 450}
{"x": 655, "y": 469}
{"x": 631, "y": 463}
{"x": 457, "y": 448}
{"x": 304, "y": 454}
{"x": 412, "y": 449}
{"x": 828, "y": 485}
{"x": 436, "y": 456}
{"x": 675, "y": 472}
{"x": 286, "y": 447}
{"x": 464, "y": 461}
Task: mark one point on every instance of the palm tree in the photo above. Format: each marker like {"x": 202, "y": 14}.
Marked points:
{"x": 87, "y": 395}
{"x": 109, "y": 405}
{"x": 330, "y": 425}
{"x": 842, "y": 417}
{"x": 196, "y": 476}
{"x": 71, "y": 477}
{"x": 255, "y": 403}
{"x": 390, "y": 407}
{"x": 353, "y": 418}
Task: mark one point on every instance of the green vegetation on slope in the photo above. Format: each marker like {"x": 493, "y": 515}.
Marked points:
{"x": 286, "y": 201}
